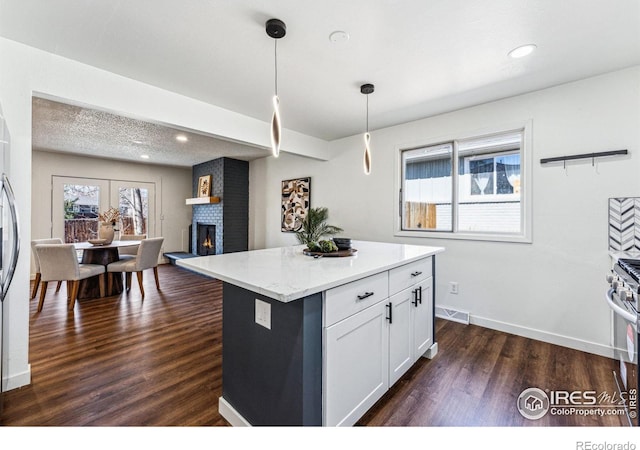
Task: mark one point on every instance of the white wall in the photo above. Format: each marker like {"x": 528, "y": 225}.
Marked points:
{"x": 25, "y": 71}
{"x": 551, "y": 289}
{"x": 172, "y": 186}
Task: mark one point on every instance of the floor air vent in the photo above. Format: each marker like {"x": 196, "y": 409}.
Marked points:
{"x": 452, "y": 314}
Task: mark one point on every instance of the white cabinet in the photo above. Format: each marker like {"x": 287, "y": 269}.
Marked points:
{"x": 356, "y": 365}
{"x": 422, "y": 318}
{"x": 400, "y": 335}
{"x": 410, "y": 328}
{"x": 343, "y": 301}
{"x": 374, "y": 330}
{"x": 409, "y": 275}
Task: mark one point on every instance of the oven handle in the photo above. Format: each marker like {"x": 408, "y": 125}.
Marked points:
{"x": 626, "y": 315}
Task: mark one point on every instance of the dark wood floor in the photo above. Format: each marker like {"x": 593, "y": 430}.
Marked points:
{"x": 124, "y": 361}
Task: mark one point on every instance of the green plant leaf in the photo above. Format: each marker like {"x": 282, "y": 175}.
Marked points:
{"x": 314, "y": 226}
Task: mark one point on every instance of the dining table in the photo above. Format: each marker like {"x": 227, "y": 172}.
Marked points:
{"x": 102, "y": 254}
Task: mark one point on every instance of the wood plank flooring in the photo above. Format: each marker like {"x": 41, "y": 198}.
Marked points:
{"x": 128, "y": 361}
{"x": 477, "y": 376}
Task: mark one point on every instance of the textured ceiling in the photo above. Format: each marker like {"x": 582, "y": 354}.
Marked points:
{"x": 60, "y": 127}
{"x": 424, "y": 57}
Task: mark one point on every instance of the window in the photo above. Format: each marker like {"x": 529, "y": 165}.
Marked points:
{"x": 80, "y": 201}
{"x": 465, "y": 187}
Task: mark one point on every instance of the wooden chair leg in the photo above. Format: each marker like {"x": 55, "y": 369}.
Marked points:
{"x": 74, "y": 294}
{"x": 43, "y": 292}
{"x": 127, "y": 281}
{"x": 140, "y": 282}
{"x": 101, "y": 280}
{"x": 69, "y": 290}
{"x": 109, "y": 283}
{"x": 36, "y": 283}
{"x": 155, "y": 274}
{"x": 58, "y": 286}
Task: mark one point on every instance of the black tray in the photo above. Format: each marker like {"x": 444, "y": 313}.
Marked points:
{"x": 337, "y": 254}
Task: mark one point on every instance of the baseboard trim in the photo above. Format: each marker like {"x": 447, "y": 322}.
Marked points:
{"x": 544, "y": 336}
{"x": 17, "y": 381}
{"x": 229, "y": 412}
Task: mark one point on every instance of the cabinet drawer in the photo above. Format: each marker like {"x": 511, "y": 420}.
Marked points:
{"x": 348, "y": 299}
{"x": 406, "y": 276}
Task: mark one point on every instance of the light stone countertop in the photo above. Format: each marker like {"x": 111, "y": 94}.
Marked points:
{"x": 615, "y": 255}
{"x": 286, "y": 274}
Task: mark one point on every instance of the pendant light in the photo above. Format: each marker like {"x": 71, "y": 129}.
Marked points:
{"x": 276, "y": 29}
{"x": 367, "y": 89}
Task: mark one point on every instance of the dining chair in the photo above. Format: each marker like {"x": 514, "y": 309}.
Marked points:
{"x": 146, "y": 258}
{"x": 132, "y": 251}
{"x": 37, "y": 262}
{"x": 59, "y": 262}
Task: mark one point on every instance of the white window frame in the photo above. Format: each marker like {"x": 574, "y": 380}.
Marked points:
{"x": 526, "y": 212}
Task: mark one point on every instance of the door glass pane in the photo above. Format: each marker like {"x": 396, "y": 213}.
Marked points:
{"x": 81, "y": 208}
{"x": 134, "y": 209}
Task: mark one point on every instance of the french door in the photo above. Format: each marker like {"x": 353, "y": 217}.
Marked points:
{"x": 136, "y": 203}
{"x": 77, "y": 203}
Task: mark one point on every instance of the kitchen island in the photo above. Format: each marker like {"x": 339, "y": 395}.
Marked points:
{"x": 317, "y": 341}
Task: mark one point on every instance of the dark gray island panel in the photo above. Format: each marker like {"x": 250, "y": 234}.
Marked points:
{"x": 272, "y": 376}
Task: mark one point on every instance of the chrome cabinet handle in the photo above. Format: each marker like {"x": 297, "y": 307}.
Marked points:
{"x": 416, "y": 273}
{"x": 365, "y": 295}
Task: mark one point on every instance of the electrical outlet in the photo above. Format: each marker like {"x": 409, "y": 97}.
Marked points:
{"x": 263, "y": 314}
{"x": 453, "y": 287}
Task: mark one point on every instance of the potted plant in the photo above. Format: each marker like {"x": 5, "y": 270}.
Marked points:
{"x": 315, "y": 227}
{"x": 107, "y": 224}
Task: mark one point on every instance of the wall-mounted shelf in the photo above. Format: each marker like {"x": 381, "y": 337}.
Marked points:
{"x": 202, "y": 200}
{"x": 591, "y": 156}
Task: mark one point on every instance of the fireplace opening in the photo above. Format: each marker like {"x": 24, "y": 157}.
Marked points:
{"x": 206, "y": 239}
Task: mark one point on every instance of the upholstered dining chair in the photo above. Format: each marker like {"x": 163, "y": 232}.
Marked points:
{"x": 59, "y": 262}
{"x": 146, "y": 258}
{"x": 37, "y": 262}
{"x": 130, "y": 252}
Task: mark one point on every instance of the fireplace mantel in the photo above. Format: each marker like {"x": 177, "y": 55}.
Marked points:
{"x": 202, "y": 200}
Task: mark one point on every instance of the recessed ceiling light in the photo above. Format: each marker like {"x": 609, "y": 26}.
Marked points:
{"x": 137, "y": 141}
{"x": 181, "y": 138}
{"x": 522, "y": 51}
{"x": 338, "y": 37}
{"x": 144, "y": 156}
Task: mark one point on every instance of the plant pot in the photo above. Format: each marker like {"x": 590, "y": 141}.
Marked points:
{"x": 106, "y": 232}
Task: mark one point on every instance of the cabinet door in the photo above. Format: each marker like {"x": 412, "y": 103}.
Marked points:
{"x": 422, "y": 318}
{"x": 356, "y": 365}
{"x": 400, "y": 335}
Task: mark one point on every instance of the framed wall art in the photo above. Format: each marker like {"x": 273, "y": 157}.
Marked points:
{"x": 296, "y": 200}
{"x": 204, "y": 186}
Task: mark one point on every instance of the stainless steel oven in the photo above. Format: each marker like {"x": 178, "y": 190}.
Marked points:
{"x": 622, "y": 298}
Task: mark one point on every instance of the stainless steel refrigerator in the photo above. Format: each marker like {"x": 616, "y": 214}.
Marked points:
{"x": 9, "y": 240}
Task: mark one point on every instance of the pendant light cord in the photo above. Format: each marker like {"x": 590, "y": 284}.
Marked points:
{"x": 275, "y": 56}
{"x": 367, "y": 112}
